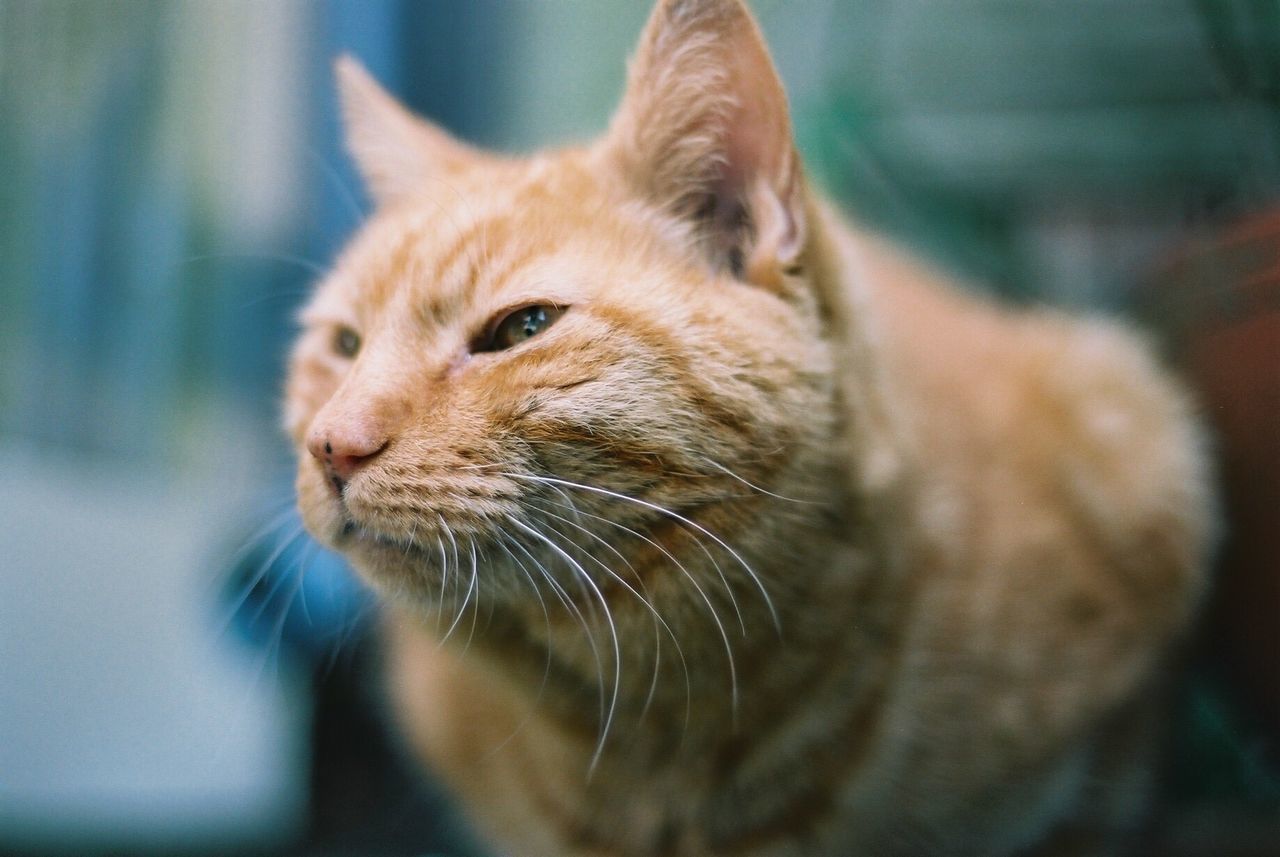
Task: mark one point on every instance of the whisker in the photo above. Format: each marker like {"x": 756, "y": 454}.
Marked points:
{"x": 533, "y": 584}
{"x": 410, "y": 542}
{"x": 564, "y": 598}
{"x": 456, "y": 574}
{"x": 274, "y": 644}
{"x": 291, "y": 294}
{"x": 546, "y": 670}
{"x": 444, "y": 570}
{"x": 286, "y": 510}
{"x": 643, "y": 598}
{"x": 475, "y": 607}
{"x": 733, "y": 599}
{"x": 342, "y": 645}
{"x": 613, "y": 635}
{"x": 308, "y": 551}
{"x": 465, "y": 599}
{"x": 715, "y": 615}
{"x": 653, "y": 681}
{"x": 257, "y": 577}
{"x": 755, "y": 487}
{"x": 675, "y": 516}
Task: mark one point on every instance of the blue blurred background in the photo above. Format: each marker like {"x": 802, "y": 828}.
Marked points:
{"x": 172, "y": 181}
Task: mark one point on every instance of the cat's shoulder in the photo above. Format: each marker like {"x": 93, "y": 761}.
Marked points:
{"x": 1083, "y": 391}
{"x": 1077, "y": 414}
{"x": 1118, "y": 436}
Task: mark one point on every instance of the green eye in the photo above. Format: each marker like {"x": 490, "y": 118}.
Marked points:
{"x": 346, "y": 342}
{"x": 524, "y": 323}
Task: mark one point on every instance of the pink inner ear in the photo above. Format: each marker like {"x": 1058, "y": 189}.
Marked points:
{"x": 704, "y": 131}
{"x": 755, "y": 215}
{"x": 780, "y": 230}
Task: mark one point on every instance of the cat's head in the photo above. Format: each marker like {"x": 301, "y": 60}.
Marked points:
{"x": 603, "y": 363}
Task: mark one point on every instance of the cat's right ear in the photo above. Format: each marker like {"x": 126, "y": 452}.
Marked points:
{"x": 396, "y": 152}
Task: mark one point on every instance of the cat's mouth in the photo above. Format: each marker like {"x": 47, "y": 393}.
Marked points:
{"x": 558, "y": 533}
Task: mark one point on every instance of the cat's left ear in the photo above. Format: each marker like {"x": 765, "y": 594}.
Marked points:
{"x": 396, "y": 152}
{"x": 704, "y": 131}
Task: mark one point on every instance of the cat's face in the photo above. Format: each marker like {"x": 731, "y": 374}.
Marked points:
{"x": 527, "y": 371}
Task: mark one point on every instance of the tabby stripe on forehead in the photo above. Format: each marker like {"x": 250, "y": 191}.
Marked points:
{"x": 392, "y": 269}
{"x": 461, "y": 243}
{"x": 521, "y": 254}
{"x": 522, "y": 248}
{"x": 480, "y": 260}
{"x": 520, "y": 257}
{"x": 459, "y": 266}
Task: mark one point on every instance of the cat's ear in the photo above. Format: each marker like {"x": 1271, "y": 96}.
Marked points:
{"x": 396, "y": 152}
{"x": 704, "y": 131}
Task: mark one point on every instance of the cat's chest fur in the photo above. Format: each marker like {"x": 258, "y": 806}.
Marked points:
{"x": 522, "y": 777}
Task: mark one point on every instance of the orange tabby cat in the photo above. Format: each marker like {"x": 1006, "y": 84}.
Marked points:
{"x": 709, "y": 525}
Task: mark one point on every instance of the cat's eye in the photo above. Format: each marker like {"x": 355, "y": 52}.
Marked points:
{"x": 346, "y": 342}
{"x": 524, "y": 323}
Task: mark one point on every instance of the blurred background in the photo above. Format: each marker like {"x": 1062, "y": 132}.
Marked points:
{"x": 172, "y": 181}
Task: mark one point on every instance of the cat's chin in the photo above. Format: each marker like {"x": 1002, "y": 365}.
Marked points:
{"x": 353, "y": 538}
{"x": 395, "y": 566}
{"x": 383, "y": 559}
{"x": 361, "y": 541}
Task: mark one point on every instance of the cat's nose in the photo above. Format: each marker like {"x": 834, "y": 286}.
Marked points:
{"x": 344, "y": 451}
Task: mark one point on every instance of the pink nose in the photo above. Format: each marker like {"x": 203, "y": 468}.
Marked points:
{"x": 344, "y": 452}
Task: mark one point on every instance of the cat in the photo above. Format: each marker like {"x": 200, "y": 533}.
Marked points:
{"x": 708, "y": 524}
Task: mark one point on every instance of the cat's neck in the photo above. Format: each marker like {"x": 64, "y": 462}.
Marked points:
{"x": 698, "y": 686}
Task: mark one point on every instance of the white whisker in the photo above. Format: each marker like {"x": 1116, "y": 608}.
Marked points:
{"x": 564, "y": 598}
{"x": 755, "y": 487}
{"x": 675, "y": 516}
{"x": 546, "y": 670}
{"x": 613, "y": 636}
{"x": 475, "y": 607}
{"x": 715, "y": 615}
{"x": 462, "y": 609}
{"x": 659, "y": 622}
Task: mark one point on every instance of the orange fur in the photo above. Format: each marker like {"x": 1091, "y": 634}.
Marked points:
{"x": 774, "y": 543}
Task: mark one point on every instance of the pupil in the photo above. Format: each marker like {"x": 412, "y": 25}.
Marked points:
{"x": 347, "y": 342}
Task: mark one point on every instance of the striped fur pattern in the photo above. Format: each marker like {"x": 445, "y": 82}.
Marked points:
{"x": 772, "y": 542}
